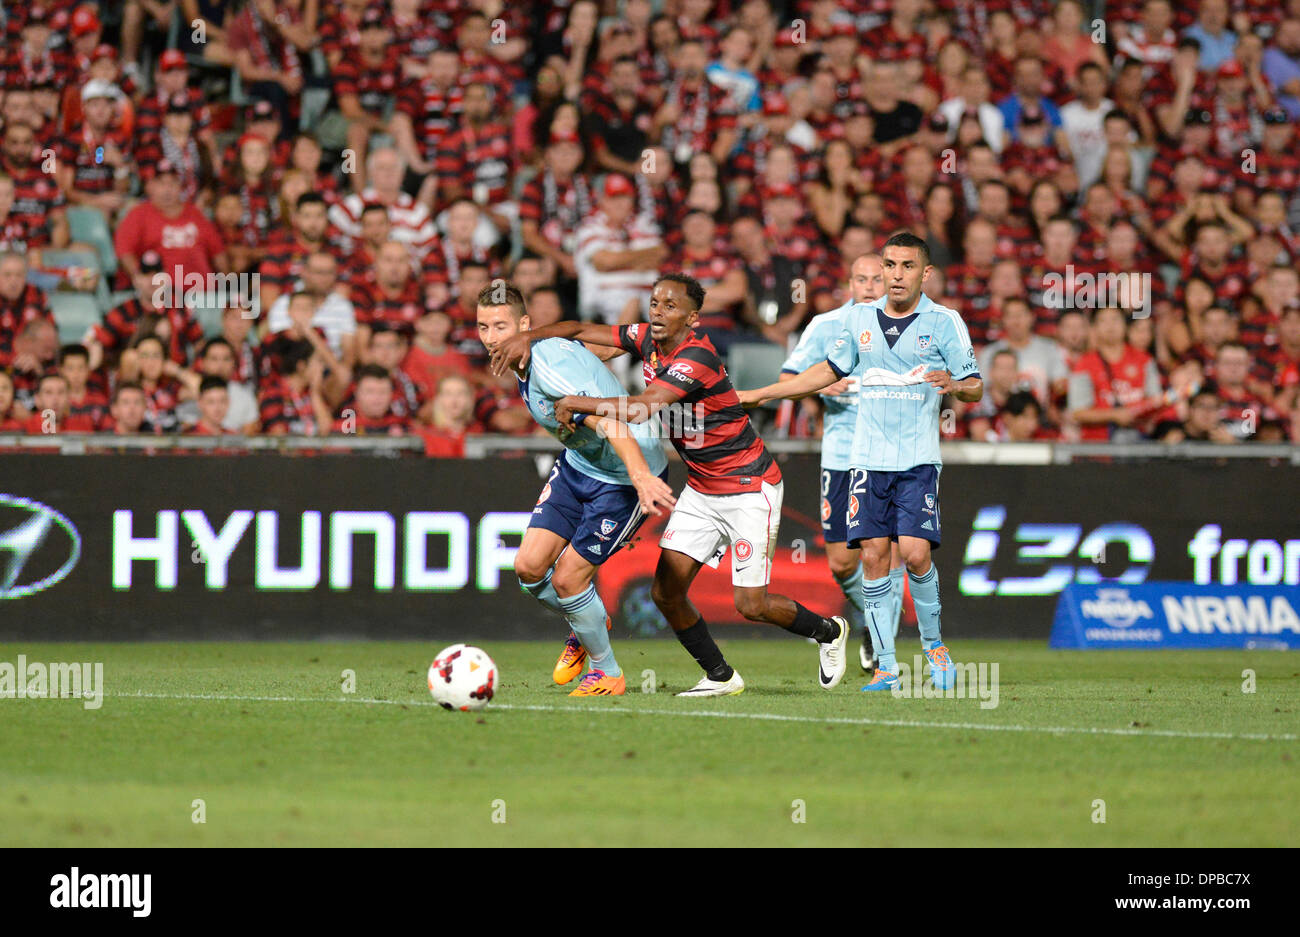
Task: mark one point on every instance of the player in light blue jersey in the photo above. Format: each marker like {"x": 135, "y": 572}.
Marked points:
{"x": 907, "y": 353}
{"x": 839, "y": 422}
{"x": 609, "y": 477}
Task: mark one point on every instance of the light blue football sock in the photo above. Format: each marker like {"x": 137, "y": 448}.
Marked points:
{"x": 925, "y": 596}
{"x": 544, "y": 592}
{"x": 852, "y": 588}
{"x": 876, "y": 608}
{"x": 896, "y": 595}
{"x": 586, "y": 614}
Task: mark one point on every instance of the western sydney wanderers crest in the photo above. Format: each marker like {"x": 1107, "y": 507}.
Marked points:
{"x": 744, "y": 550}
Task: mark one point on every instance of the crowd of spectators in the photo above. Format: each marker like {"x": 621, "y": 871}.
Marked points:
{"x": 377, "y": 164}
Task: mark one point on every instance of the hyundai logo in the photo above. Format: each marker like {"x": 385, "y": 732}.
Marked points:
{"x": 38, "y": 547}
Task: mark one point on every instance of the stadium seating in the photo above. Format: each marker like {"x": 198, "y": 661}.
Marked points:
{"x": 74, "y": 312}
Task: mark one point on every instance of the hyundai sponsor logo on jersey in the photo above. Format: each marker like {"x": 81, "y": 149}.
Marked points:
{"x": 1178, "y": 615}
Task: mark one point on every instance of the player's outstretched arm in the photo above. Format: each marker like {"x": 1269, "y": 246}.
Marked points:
{"x": 651, "y": 490}
{"x": 809, "y": 382}
{"x": 514, "y": 351}
{"x": 636, "y": 409}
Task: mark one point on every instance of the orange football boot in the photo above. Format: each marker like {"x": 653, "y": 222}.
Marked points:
{"x": 573, "y": 659}
{"x": 595, "y": 683}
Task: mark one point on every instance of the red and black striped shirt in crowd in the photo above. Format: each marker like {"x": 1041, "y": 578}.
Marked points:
{"x": 30, "y": 305}
{"x": 120, "y": 322}
{"x": 92, "y": 406}
{"x": 286, "y": 255}
{"x": 149, "y": 116}
{"x": 282, "y": 407}
{"x": 723, "y": 454}
{"x": 375, "y": 84}
{"x": 37, "y": 197}
{"x": 434, "y": 113}
{"x": 373, "y": 304}
{"x": 84, "y": 152}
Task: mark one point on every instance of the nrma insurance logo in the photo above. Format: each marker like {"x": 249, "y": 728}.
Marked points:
{"x": 1042, "y": 559}
{"x": 1116, "y": 608}
{"x": 38, "y": 547}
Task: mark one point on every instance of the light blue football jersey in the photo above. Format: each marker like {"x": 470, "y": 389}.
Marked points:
{"x": 562, "y": 368}
{"x": 898, "y": 412}
{"x": 840, "y": 416}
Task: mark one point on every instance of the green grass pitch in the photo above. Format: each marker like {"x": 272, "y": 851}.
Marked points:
{"x": 264, "y": 737}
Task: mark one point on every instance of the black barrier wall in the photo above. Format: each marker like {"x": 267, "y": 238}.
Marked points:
{"x": 208, "y": 548}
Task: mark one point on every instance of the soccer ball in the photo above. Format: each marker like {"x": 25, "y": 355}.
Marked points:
{"x": 462, "y": 677}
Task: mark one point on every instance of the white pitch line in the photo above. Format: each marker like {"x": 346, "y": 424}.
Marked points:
{"x": 770, "y": 717}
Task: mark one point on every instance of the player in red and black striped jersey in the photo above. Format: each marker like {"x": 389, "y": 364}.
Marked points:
{"x": 734, "y": 488}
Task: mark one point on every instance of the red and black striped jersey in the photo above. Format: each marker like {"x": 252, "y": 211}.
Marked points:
{"x": 36, "y": 194}
{"x": 375, "y": 84}
{"x": 408, "y": 397}
{"x": 19, "y": 234}
{"x": 160, "y": 404}
{"x": 715, "y": 439}
{"x": 434, "y": 113}
{"x": 478, "y": 160}
{"x": 886, "y": 45}
{"x": 30, "y": 305}
{"x": 149, "y": 115}
{"x": 373, "y": 304}
{"x": 84, "y": 152}
{"x": 709, "y": 269}
{"x": 418, "y": 38}
{"x": 285, "y": 257}
{"x": 501, "y": 77}
{"x": 120, "y": 322}
{"x": 283, "y": 407}
{"x": 91, "y": 406}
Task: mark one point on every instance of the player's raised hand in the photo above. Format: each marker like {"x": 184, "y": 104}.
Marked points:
{"x": 941, "y": 381}
{"x": 653, "y": 492}
{"x": 511, "y": 353}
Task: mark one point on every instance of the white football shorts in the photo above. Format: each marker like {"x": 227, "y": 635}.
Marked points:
{"x": 703, "y": 526}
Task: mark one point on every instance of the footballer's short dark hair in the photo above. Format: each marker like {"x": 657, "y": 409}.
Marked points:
{"x": 694, "y": 291}
{"x": 212, "y": 382}
{"x": 910, "y": 240}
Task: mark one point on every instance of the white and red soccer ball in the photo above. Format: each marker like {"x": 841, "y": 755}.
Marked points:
{"x": 463, "y": 677}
